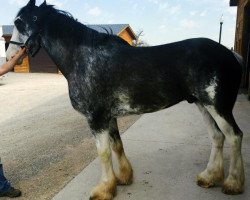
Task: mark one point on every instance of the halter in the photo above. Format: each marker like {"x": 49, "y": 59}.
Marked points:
{"x": 21, "y": 44}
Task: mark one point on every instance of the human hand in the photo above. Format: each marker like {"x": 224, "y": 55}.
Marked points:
{"x": 19, "y": 54}
{"x": 16, "y": 59}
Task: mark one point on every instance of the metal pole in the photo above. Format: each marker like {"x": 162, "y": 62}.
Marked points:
{"x": 221, "y": 23}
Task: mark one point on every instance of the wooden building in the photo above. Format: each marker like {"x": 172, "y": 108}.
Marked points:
{"x": 122, "y": 30}
{"x": 42, "y": 62}
{"x": 242, "y": 37}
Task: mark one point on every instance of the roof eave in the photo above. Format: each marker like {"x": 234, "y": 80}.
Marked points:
{"x": 130, "y": 30}
{"x": 6, "y": 35}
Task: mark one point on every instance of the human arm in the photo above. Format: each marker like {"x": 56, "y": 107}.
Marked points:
{"x": 9, "y": 65}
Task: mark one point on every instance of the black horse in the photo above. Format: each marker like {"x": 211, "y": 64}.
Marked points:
{"x": 107, "y": 78}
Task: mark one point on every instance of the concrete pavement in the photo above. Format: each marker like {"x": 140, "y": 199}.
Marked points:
{"x": 167, "y": 150}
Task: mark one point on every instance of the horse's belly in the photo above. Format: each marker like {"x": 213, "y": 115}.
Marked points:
{"x": 128, "y": 105}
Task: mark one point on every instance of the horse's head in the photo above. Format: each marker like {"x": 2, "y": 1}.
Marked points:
{"x": 26, "y": 30}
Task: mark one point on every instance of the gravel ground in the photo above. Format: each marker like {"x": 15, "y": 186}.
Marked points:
{"x": 44, "y": 141}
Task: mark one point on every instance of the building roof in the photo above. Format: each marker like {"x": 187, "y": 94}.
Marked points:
{"x": 234, "y": 2}
{"x": 115, "y": 29}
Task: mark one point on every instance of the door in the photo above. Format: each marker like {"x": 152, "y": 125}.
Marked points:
{"x": 248, "y": 66}
{"x": 42, "y": 63}
{"x": 247, "y": 62}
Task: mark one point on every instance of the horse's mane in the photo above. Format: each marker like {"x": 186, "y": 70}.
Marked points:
{"x": 64, "y": 24}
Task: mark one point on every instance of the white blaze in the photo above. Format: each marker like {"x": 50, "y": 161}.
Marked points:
{"x": 13, "y": 49}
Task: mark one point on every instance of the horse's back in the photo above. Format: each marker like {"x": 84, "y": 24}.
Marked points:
{"x": 193, "y": 69}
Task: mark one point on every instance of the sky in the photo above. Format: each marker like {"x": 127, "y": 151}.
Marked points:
{"x": 162, "y": 21}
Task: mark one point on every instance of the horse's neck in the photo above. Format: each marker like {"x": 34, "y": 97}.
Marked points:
{"x": 60, "y": 54}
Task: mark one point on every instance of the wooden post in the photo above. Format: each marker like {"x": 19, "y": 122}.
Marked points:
{"x": 221, "y": 23}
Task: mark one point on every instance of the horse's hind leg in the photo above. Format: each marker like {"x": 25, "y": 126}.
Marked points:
{"x": 125, "y": 175}
{"x": 235, "y": 180}
{"x": 214, "y": 173}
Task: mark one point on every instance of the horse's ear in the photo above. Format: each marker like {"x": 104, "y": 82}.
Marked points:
{"x": 32, "y": 3}
{"x": 44, "y": 3}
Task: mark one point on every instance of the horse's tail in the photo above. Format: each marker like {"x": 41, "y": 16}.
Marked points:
{"x": 239, "y": 58}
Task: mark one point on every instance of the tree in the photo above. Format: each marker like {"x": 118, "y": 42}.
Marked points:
{"x": 138, "y": 41}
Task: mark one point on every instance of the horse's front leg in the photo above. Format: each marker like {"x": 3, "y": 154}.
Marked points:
{"x": 106, "y": 189}
{"x": 125, "y": 174}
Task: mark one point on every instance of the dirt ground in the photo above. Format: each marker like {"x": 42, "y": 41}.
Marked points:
{"x": 44, "y": 141}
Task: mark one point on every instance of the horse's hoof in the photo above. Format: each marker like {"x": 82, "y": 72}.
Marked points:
{"x": 100, "y": 198}
{"x": 125, "y": 178}
{"x": 231, "y": 191}
{"x": 104, "y": 191}
{"x": 204, "y": 184}
{"x": 204, "y": 181}
{"x": 232, "y": 188}
{"x": 208, "y": 180}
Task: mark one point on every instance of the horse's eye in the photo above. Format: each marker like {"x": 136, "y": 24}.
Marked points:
{"x": 34, "y": 18}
